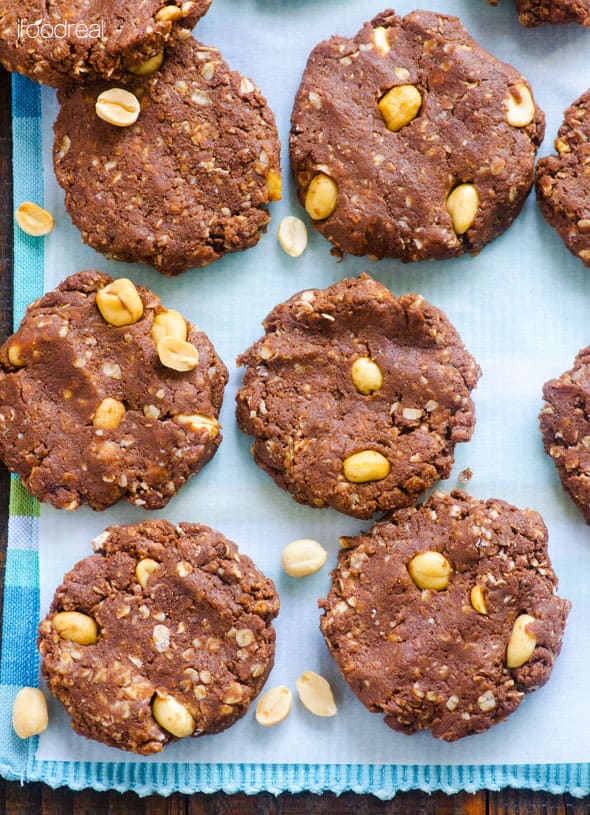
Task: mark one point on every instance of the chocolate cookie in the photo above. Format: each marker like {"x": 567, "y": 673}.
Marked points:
{"x": 566, "y": 429}
{"x": 62, "y": 42}
{"x": 563, "y": 192}
{"x": 356, "y": 398}
{"x": 535, "y": 12}
{"x": 445, "y": 616}
{"x": 411, "y": 141}
{"x": 189, "y": 181}
{"x": 105, "y": 394}
{"x": 165, "y": 632}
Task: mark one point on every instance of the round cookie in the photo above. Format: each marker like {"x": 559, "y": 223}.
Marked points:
{"x": 189, "y": 181}
{"x": 563, "y": 192}
{"x": 433, "y": 651}
{"x": 356, "y": 398}
{"x": 65, "y": 41}
{"x": 565, "y": 427}
{"x": 535, "y": 12}
{"x": 411, "y": 141}
{"x": 174, "y": 617}
{"x": 91, "y": 412}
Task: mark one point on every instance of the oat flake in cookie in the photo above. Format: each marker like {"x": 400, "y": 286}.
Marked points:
{"x": 445, "y": 616}
{"x": 565, "y": 426}
{"x": 165, "y": 632}
{"x": 411, "y": 141}
{"x": 563, "y": 187}
{"x": 105, "y": 394}
{"x": 356, "y": 398}
{"x": 61, "y": 42}
{"x": 189, "y": 181}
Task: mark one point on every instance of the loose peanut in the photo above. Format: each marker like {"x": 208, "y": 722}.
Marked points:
{"x": 118, "y": 107}
{"x": 521, "y": 644}
{"x": 144, "y": 570}
{"x": 33, "y": 219}
{"x": 462, "y": 205}
{"x": 177, "y": 354}
{"x": 292, "y": 235}
{"x": 120, "y": 303}
{"x": 316, "y": 694}
{"x": 169, "y": 324}
{"x": 173, "y": 716}
{"x": 302, "y": 557}
{"x": 29, "y": 713}
{"x": 274, "y": 706}
{"x": 366, "y": 375}
{"x": 109, "y": 414}
{"x": 399, "y": 106}
{"x": 430, "y": 570}
{"x": 368, "y": 465}
{"x": 321, "y": 198}
{"x": 77, "y": 627}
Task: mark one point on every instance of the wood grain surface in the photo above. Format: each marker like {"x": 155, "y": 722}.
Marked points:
{"x": 38, "y": 799}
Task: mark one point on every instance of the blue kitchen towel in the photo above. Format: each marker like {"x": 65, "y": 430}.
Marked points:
{"x": 467, "y": 290}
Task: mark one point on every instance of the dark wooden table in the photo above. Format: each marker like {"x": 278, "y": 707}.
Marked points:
{"x": 38, "y": 799}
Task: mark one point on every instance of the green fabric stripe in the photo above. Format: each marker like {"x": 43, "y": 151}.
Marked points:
{"x": 21, "y": 503}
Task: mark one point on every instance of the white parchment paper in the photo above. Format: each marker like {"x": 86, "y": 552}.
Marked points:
{"x": 521, "y": 307}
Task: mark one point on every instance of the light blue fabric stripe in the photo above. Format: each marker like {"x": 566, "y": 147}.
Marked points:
{"x": 28, "y": 186}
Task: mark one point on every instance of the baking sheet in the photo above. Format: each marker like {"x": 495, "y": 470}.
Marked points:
{"x": 520, "y": 307}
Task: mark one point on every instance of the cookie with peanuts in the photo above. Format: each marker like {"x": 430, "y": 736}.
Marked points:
{"x": 410, "y": 141}
{"x": 65, "y": 42}
{"x": 356, "y": 398}
{"x": 105, "y": 394}
{"x": 443, "y": 617}
{"x": 166, "y": 632}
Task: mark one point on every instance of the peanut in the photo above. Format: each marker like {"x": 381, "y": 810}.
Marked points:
{"x": 478, "y": 599}
{"x": 274, "y": 706}
{"x": 197, "y": 422}
{"x": 169, "y": 324}
{"x": 519, "y": 108}
{"x": 400, "y": 106}
{"x": 144, "y": 570}
{"x": 33, "y": 219}
{"x": 29, "y": 713}
{"x": 177, "y": 354}
{"x": 118, "y": 107}
{"x": 150, "y": 66}
{"x": 430, "y": 570}
{"x": 77, "y": 627}
{"x": 462, "y": 205}
{"x": 368, "y": 465}
{"x": 316, "y": 694}
{"x": 109, "y": 414}
{"x": 168, "y": 14}
{"x": 120, "y": 303}
{"x": 292, "y": 235}
{"x": 521, "y": 644}
{"x": 321, "y": 198}
{"x": 173, "y": 716}
{"x": 274, "y": 186}
{"x": 366, "y": 375}
{"x": 302, "y": 557}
